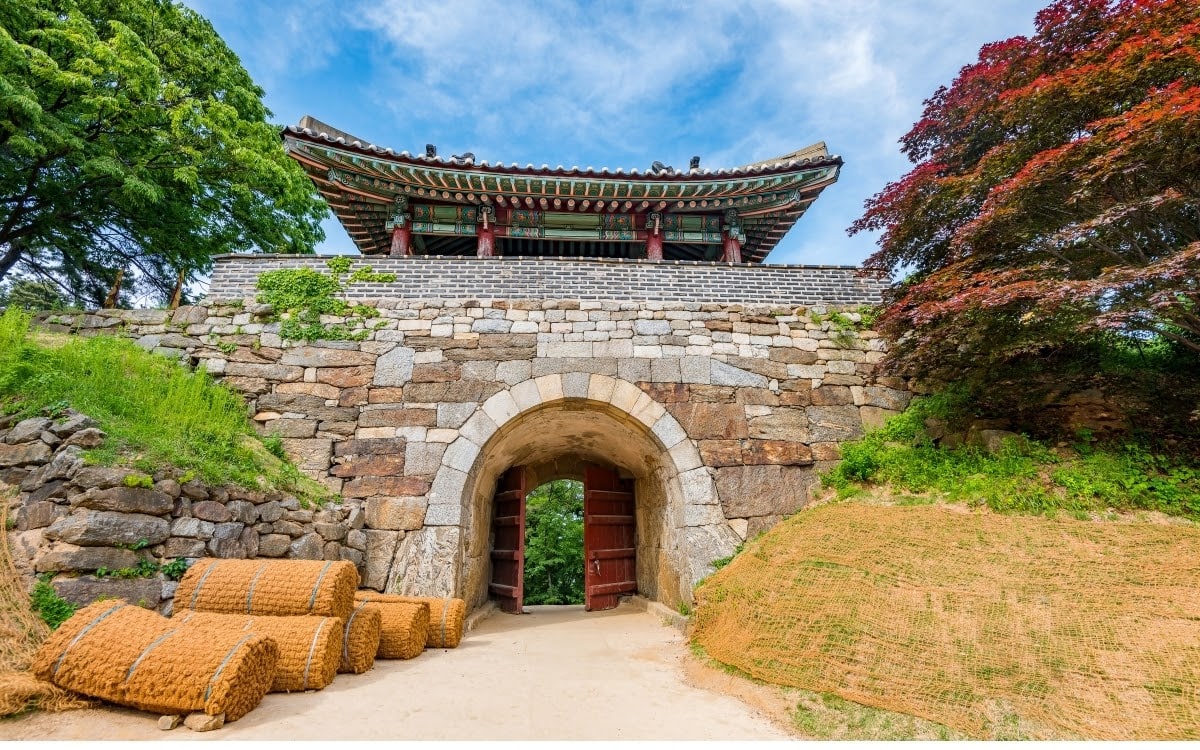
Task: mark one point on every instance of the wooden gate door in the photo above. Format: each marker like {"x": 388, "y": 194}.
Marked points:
{"x": 508, "y": 545}
{"x": 610, "y": 566}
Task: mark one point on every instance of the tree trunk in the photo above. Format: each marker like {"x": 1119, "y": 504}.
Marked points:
{"x": 115, "y": 294}
{"x": 177, "y": 295}
{"x": 10, "y": 257}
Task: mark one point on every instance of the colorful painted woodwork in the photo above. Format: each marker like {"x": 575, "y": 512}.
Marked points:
{"x": 403, "y": 204}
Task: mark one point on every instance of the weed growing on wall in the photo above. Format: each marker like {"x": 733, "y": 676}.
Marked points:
{"x": 300, "y": 296}
{"x": 844, "y": 328}
{"x": 147, "y": 568}
{"x": 49, "y": 605}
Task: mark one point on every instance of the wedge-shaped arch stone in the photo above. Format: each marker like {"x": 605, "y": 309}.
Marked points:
{"x": 501, "y": 407}
{"x": 625, "y": 395}
{"x": 550, "y": 388}
{"x": 526, "y": 395}
{"x": 461, "y": 455}
{"x": 600, "y": 388}
{"x": 479, "y": 428}
{"x": 668, "y": 430}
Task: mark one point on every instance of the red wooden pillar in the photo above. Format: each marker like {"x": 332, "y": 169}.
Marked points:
{"x": 732, "y": 248}
{"x": 654, "y": 237}
{"x": 731, "y": 245}
{"x": 401, "y": 226}
{"x": 485, "y": 231}
{"x": 401, "y": 240}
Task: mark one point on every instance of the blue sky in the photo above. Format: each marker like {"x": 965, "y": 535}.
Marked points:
{"x": 623, "y": 84}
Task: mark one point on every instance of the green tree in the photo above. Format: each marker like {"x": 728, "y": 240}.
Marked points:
{"x": 28, "y": 294}
{"x": 132, "y": 140}
{"x": 554, "y": 543}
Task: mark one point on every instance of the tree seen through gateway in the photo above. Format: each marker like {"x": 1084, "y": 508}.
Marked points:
{"x": 554, "y": 543}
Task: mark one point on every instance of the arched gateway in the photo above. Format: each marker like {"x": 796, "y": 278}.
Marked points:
{"x": 614, "y": 437}
{"x": 608, "y": 326}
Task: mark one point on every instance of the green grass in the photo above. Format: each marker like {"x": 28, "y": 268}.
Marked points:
{"x": 1024, "y": 477}
{"x": 826, "y": 716}
{"x": 155, "y": 411}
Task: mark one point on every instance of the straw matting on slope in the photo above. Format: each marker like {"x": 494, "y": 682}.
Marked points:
{"x": 1075, "y": 628}
{"x": 269, "y": 587}
{"x": 21, "y": 632}
{"x": 360, "y": 640}
{"x": 21, "y": 691}
{"x": 310, "y": 647}
{"x": 447, "y": 616}
{"x": 135, "y": 657}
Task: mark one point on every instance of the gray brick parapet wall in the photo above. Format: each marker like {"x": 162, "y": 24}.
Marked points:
{"x": 234, "y": 276}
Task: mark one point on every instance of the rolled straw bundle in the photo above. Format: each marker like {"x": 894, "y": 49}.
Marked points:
{"x": 446, "y": 616}
{"x": 310, "y": 647}
{"x": 404, "y": 629}
{"x": 360, "y": 640}
{"x": 269, "y": 587}
{"x": 135, "y": 657}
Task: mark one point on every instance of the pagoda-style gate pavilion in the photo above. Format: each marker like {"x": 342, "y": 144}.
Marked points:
{"x": 399, "y": 204}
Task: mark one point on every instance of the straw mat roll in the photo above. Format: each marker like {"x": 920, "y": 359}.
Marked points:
{"x": 269, "y": 587}
{"x": 446, "y": 616}
{"x": 137, "y": 658}
{"x": 310, "y": 647}
{"x": 360, "y": 640}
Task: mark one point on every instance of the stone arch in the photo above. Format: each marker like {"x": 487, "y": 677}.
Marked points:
{"x": 542, "y": 421}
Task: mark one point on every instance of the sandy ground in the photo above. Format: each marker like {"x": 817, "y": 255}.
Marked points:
{"x": 554, "y": 673}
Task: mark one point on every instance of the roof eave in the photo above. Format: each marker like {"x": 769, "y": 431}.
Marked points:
{"x": 357, "y": 146}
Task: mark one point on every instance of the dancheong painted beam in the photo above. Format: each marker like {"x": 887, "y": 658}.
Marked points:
{"x": 401, "y": 204}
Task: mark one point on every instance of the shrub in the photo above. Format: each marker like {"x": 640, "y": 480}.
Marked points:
{"x": 1024, "y": 477}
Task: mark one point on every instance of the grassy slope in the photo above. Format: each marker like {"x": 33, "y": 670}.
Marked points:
{"x": 1081, "y": 480}
{"x": 155, "y": 411}
{"x": 901, "y": 465}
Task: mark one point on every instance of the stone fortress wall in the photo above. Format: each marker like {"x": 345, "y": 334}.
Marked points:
{"x": 465, "y": 278}
{"x": 723, "y": 403}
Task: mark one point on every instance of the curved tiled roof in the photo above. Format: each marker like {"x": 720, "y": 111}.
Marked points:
{"x": 361, "y": 180}
{"x": 318, "y": 131}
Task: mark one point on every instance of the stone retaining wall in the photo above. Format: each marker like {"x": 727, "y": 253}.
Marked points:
{"x": 75, "y": 522}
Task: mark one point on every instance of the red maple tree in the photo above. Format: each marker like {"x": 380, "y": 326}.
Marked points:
{"x": 1056, "y": 193}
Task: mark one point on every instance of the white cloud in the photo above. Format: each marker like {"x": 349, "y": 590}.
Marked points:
{"x": 277, "y": 41}
{"x": 582, "y": 75}
{"x": 621, "y": 84}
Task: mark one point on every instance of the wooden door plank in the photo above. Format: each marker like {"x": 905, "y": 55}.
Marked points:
{"x": 611, "y": 554}
{"x": 609, "y": 536}
{"x": 508, "y": 541}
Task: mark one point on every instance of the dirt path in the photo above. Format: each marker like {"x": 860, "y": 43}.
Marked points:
{"x": 556, "y": 673}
